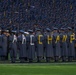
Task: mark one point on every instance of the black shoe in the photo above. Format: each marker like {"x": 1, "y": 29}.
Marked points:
{"x": 38, "y": 60}
{"x": 30, "y": 60}
{"x": 22, "y": 61}
{"x": 12, "y": 61}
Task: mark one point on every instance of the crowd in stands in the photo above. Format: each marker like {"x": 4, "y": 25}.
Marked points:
{"x": 25, "y": 14}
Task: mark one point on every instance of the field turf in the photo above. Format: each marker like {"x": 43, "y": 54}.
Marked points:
{"x": 38, "y": 69}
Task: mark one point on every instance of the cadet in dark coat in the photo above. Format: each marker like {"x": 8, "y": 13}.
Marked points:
{"x": 31, "y": 46}
{"x": 0, "y": 44}
{"x": 75, "y": 44}
{"x": 71, "y": 40}
{"x": 63, "y": 43}
{"x": 48, "y": 37}
{"x": 8, "y": 34}
{"x": 4, "y": 44}
{"x": 56, "y": 45}
{"x": 13, "y": 46}
{"x": 39, "y": 45}
{"x": 22, "y": 47}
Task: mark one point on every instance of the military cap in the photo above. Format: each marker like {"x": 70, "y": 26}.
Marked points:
{"x": 48, "y": 29}
{"x": 13, "y": 31}
{"x": 30, "y": 31}
{"x": 62, "y": 28}
{"x": 21, "y": 31}
{"x": 37, "y": 29}
{"x": 55, "y": 28}
{"x": 69, "y": 28}
{"x": 6, "y": 31}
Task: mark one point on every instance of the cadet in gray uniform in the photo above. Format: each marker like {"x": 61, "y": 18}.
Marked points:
{"x": 13, "y": 46}
{"x": 4, "y": 45}
{"x": 71, "y": 40}
{"x": 0, "y": 44}
{"x": 39, "y": 45}
{"x": 31, "y": 46}
{"x": 22, "y": 47}
{"x": 56, "y": 45}
{"x": 63, "y": 43}
{"x": 8, "y": 34}
{"x": 48, "y": 37}
{"x": 75, "y": 44}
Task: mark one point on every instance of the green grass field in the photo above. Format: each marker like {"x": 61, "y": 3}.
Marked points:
{"x": 38, "y": 69}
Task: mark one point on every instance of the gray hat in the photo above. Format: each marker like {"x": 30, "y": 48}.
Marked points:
{"x": 30, "y": 31}
{"x": 37, "y": 29}
{"x": 21, "y": 31}
{"x": 69, "y": 28}
{"x": 13, "y": 31}
{"x": 62, "y": 28}
{"x": 48, "y": 29}
{"x": 55, "y": 28}
{"x": 6, "y": 31}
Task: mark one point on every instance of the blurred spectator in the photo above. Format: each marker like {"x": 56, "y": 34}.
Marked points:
{"x": 44, "y": 13}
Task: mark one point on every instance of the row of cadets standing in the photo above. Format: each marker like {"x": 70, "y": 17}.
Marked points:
{"x": 53, "y": 44}
{"x": 56, "y": 45}
{"x": 26, "y": 46}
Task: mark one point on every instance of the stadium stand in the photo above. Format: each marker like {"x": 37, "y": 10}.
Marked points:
{"x": 22, "y": 14}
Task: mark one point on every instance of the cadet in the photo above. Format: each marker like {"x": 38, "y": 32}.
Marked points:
{"x": 0, "y": 43}
{"x": 48, "y": 45}
{"x": 8, "y": 34}
{"x": 39, "y": 45}
{"x": 22, "y": 47}
{"x": 13, "y": 46}
{"x": 4, "y": 45}
{"x": 75, "y": 44}
{"x": 63, "y": 43}
{"x": 56, "y": 45}
{"x": 31, "y": 46}
{"x": 71, "y": 40}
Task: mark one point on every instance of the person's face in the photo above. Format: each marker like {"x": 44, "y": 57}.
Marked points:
{"x": 55, "y": 31}
{"x": 8, "y": 34}
{"x": 19, "y": 33}
{"x": 4, "y": 33}
{"x": 69, "y": 30}
{"x": 0, "y": 32}
{"x": 61, "y": 30}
